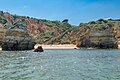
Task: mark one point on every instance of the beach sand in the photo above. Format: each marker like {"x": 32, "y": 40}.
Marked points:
{"x": 119, "y": 46}
{"x": 118, "y": 43}
{"x": 55, "y": 47}
{"x": 0, "y": 48}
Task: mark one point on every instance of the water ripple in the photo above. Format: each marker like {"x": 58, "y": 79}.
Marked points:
{"x": 60, "y": 65}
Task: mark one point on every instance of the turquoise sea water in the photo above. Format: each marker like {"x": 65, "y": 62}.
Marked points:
{"x": 60, "y": 65}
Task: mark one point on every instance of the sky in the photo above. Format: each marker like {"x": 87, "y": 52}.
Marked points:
{"x": 76, "y": 11}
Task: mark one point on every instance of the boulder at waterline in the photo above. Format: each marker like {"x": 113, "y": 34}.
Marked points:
{"x": 39, "y": 49}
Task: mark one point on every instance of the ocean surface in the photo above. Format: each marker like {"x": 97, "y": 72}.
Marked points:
{"x": 60, "y": 65}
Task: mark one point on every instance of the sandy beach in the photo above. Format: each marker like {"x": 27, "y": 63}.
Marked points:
{"x": 118, "y": 44}
{"x": 55, "y": 47}
{"x": 0, "y": 48}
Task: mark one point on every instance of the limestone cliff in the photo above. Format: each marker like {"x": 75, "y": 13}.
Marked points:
{"x": 16, "y": 35}
{"x": 2, "y": 33}
{"x": 102, "y": 34}
{"x": 23, "y": 30}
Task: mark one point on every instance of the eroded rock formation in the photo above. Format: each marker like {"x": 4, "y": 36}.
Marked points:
{"x": 16, "y": 35}
{"x": 21, "y": 30}
{"x": 16, "y": 39}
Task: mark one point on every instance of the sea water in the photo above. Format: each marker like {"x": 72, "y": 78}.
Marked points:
{"x": 60, "y": 65}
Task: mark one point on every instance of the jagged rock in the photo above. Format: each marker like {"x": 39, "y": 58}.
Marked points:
{"x": 39, "y": 49}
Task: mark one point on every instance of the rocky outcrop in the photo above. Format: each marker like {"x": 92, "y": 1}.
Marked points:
{"x": 16, "y": 36}
{"x": 2, "y": 33}
{"x": 99, "y": 40}
{"x": 101, "y": 35}
{"x": 39, "y": 49}
{"x": 17, "y": 40}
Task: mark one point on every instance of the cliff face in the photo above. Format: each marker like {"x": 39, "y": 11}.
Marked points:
{"x": 43, "y": 31}
{"x": 16, "y": 35}
{"x": 24, "y": 30}
{"x": 101, "y": 34}
{"x": 2, "y": 33}
{"x": 99, "y": 39}
{"x": 16, "y": 39}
